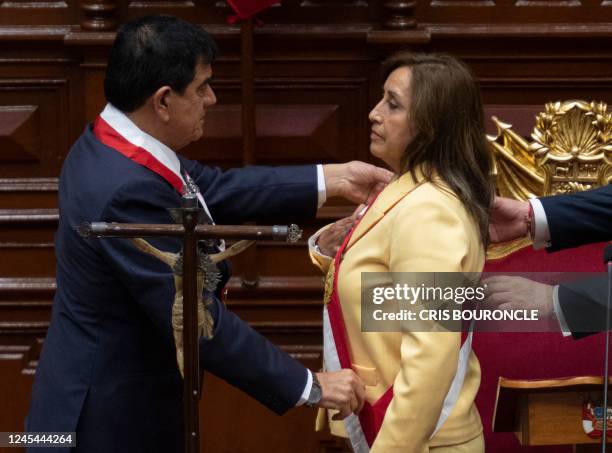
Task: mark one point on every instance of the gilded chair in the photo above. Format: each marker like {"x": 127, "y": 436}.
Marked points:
{"x": 570, "y": 150}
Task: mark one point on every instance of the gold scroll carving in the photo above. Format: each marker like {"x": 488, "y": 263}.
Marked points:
{"x": 570, "y": 151}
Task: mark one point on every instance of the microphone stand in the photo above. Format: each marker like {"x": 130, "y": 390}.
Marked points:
{"x": 608, "y": 263}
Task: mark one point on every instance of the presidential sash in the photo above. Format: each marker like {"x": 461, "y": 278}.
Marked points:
{"x": 115, "y": 130}
{"x": 363, "y": 429}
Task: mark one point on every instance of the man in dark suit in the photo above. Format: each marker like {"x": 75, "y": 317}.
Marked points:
{"x": 556, "y": 222}
{"x": 108, "y": 368}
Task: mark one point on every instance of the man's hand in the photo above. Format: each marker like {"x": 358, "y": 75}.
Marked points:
{"x": 518, "y": 293}
{"x": 508, "y": 219}
{"x": 356, "y": 181}
{"x": 330, "y": 240}
{"x": 341, "y": 390}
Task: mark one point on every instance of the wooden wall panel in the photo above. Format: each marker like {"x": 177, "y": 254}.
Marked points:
{"x": 33, "y": 136}
{"x": 316, "y": 78}
{"x": 20, "y": 133}
{"x": 47, "y": 12}
{"x": 25, "y": 307}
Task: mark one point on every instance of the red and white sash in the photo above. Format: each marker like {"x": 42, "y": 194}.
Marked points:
{"x": 363, "y": 429}
{"x": 113, "y": 128}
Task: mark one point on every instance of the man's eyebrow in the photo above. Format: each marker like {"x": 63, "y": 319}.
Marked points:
{"x": 206, "y": 81}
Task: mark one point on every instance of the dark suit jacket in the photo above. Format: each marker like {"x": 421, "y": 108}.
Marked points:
{"x": 574, "y": 220}
{"x": 108, "y": 368}
{"x": 584, "y": 305}
{"x": 579, "y": 218}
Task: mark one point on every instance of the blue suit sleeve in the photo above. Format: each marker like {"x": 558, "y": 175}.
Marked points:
{"x": 236, "y": 353}
{"x": 255, "y": 365}
{"x": 583, "y": 303}
{"x": 579, "y": 218}
{"x": 257, "y": 193}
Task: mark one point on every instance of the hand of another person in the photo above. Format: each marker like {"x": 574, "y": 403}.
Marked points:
{"x": 356, "y": 181}
{"x": 341, "y": 390}
{"x": 508, "y": 219}
{"x": 518, "y": 293}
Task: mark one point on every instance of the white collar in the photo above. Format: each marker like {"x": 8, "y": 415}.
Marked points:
{"x": 136, "y": 136}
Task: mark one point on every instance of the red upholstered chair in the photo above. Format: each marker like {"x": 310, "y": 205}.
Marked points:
{"x": 566, "y": 155}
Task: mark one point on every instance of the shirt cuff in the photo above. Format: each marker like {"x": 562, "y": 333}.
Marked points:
{"x": 565, "y": 330}
{"x": 306, "y": 392}
{"x": 541, "y": 237}
{"x": 312, "y": 245}
{"x": 321, "y": 189}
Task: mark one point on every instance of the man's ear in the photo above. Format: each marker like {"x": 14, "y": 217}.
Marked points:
{"x": 161, "y": 100}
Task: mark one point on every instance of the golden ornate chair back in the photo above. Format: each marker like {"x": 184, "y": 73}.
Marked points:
{"x": 571, "y": 151}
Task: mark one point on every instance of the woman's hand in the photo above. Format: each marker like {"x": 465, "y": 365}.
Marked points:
{"x": 330, "y": 240}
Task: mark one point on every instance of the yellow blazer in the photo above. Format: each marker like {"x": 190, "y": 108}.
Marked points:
{"x": 413, "y": 226}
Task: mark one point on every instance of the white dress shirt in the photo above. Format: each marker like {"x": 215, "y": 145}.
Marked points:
{"x": 541, "y": 239}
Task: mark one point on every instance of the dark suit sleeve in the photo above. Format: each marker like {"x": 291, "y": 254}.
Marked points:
{"x": 583, "y": 303}
{"x": 580, "y": 218}
{"x": 257, "y": 193}
{"x": 237, "y": 353}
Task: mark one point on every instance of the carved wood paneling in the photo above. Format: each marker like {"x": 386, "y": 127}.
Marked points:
{"x": 37, "y": 12}
{"x": 99, "y": 15}
{"x": 310, "y": 131}
{"x": 226, "y": 431}
{"x": 399, "y": 15}
{"x": 296, "y": 122}
{"x": 161, "y": 4}
{"x": 19, "y": 133}
{"x": 334, "y": 3}
{"x": 15, "y": 193}
{"x": 522, "y": 117}
{"x": 463, "y": 3}
{"x": 25, "y": 308}
{"x": 16, "y": 384}
{"x": 393, "y": 15}
{"x": 29, "y": 4}
{"x": 35, "y": 136}
{"x": 549, "y": 3}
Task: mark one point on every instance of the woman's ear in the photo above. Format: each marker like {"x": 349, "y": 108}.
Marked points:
{"x": 161, "y": 102}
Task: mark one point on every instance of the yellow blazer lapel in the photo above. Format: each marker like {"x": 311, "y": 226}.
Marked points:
{"x": 389, "y": 197}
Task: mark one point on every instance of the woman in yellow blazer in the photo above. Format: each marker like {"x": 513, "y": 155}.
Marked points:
{"x": 433, "y": 217}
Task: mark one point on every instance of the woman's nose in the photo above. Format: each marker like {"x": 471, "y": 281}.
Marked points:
{"x": 374, "y": 116}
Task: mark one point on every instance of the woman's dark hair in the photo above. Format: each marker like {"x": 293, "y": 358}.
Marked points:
{"x": 450, "y": 140}
{"x": 151, "y": 52}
